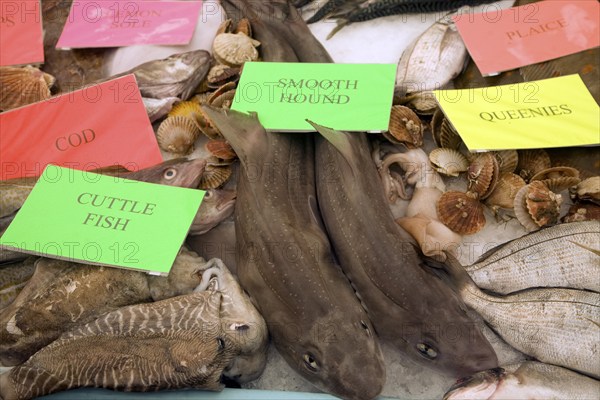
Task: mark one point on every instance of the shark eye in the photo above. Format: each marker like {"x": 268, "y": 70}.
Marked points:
{"x": 427, "y": 351}
{"x": 310, "y": 362}
{"x": 365, "y": 326}
{"x": 170, "y": 173}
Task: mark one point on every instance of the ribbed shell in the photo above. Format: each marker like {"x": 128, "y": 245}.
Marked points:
{"x": 535, "y": 206}
{"x": 588, "y": 189}
{"x": 483, "y": 174}
{"x": 531, "y": 162}
{"x": 177, "y": 135}
{"x": 189, "y": 109}
{"x": 448, "y": 161}
{"x": 215, "y": 176}
{"x": 507, "y": 160}
{"x": 220, "y": 74}
{"x": 505, "y": 191}
{"x": 220, "y": 148}
{"x": 234, "y": 49}
{"x": 405, "y": 127}
{"x": 423, "y": 103}
{"x": 22, "y": 86}
{"x": 555, "y": 172}
{"x": 461, "y": 212}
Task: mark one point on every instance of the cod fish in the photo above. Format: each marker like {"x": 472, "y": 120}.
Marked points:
{"x": 12, "y": 279}
{"x": 556, "y": 326}
{"x": 432, "y": 60}
{"x": 409, "y": 307}
{"x": 285, "y": 262}
{"x": 524, "y": 381}
{"x": 182, "y": 342}
{"x": 551, "y": 257}
{"x": 175, "y": 76}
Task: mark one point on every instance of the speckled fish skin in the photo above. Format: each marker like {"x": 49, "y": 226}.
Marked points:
{"x": 556, "y": 326}
{"x": 175, "y": 76}
{"x": 285, "y": 262}
{"x": 435, "y": 58}
{"x": 409, "y": 307}
{"x": 171, "y": 344}
{"x": 59, "y": 296}
{"x": 551, "y": 257}
{"x": 524, "y": 381}
{"x": 13, "y": 278}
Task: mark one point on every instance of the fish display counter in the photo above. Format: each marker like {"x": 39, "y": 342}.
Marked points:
{"x": 321, "y": 263}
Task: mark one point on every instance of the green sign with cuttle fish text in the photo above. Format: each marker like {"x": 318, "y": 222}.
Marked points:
{"x": 96, "y": 219}
{"x": 349, "y": 97}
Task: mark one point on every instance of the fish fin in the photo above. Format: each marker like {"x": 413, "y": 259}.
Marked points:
{"x": 596, "y": 252}
{"x": 455, "y": 272}
{"x": 243, "y": 131}
{"x": 338, "y": 139}
{"x": 340, "y": 25}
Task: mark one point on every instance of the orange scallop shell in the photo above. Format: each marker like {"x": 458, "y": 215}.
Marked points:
{"x": 483, "y": 174}
{"x": 461, "y": 212}
{"x": 531, "y": 162}
{"x": 22, "y": 86}
{"x": 506, "y": 189}
{"x": 405, "y": 127}
{"x": 220, "y": 148}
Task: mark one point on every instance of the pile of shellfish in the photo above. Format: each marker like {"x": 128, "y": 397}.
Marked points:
{"x": 186, "y": 125}
{"x": 522, "y": 184}
{"x": 20, "y": 86}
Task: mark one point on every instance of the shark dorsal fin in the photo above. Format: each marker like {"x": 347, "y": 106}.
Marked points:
{"x": 338, "y": 139}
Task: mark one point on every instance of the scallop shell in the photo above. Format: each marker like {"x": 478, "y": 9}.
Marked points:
{"x": 449, "y": 138}
{"x": 223, "y": 100}
{"x": 503, "y": 195}
{"x": 436, "y": 125}
{"x": 559, "y": 184}
{"x": 189, "y": 109}
{"x": 588, "y": 189}
{"x": 582, "y": 212}
{"x": 243, "y": 26}
{"x": 405, "y": 127}
{"x": 221, "y": 74}
{"x": 424, "y": 103}
{"x": 22, "y": 86}
{"x": 208, "y": 128}
{"x": 461, "y": 212}
{"x": 483, "y": 174}
{"x": 225, "y": 26}
{"x": 234, "y": 49}
{"x": 535, "y": 206}
{"x": 448, "y": 161}
{"x": 507, "y": 160}
{"x": 555, "y": 172}
{"x": 220, "y": 148}
{"x": 215, "y": 176}
{"x": 531, "y": 162}
{"x": 177, "y": 135}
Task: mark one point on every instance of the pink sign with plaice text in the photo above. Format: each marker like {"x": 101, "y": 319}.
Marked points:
{"x": 501, "y": 40}
{"x": 21, "y": 39}
{"x": 113, "y": 23}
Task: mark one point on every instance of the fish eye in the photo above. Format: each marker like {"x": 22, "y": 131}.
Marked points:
{"x": 208, "y": 194}
{"x": 170, "y": 173}
{"x": 427, "y": 351}
{"x": 220, "y": 343}
{"x": 365, "y": 326}
{"x": 310, "y": 362}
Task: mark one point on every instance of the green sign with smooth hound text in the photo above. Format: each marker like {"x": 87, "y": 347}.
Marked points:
{"x": 348, "y": 97}
{"x": 96, "y": 219}
{"x": 556, "y": 112}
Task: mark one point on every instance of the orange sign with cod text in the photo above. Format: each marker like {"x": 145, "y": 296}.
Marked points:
{"x": 98, "y": 126}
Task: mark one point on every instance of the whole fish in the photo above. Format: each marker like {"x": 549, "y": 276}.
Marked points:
{"x": 432, "y": 60}
{"x": 524, "y": 381}
{"x": 285, "y": 262}
{"x": 175, "y": 76}
{"x": 182, "y": 342}
{"x": 12, "y": 279}
{"x": 408, "y": 306}
{"x": 551, "y": 257}
{"x": 556, "y": 326}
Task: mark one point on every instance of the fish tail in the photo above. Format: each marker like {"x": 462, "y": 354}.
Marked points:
{"x": 324, "y": 11}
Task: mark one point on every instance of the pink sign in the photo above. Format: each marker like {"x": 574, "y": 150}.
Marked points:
{"x": 21, "y": 40}
{"x": 113, "y": 23}
{"x": 98, "y": 126}
{"x": 501, "y": 40}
